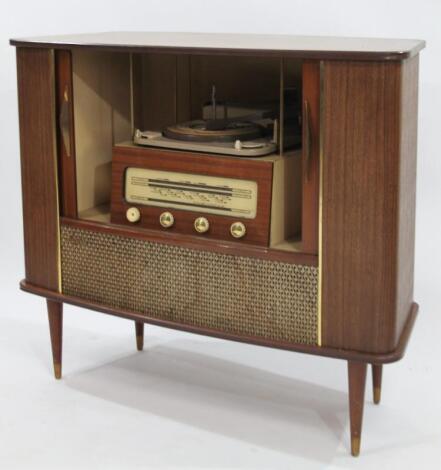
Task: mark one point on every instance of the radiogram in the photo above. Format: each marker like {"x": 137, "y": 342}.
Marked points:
{"x": 254, "y": 188}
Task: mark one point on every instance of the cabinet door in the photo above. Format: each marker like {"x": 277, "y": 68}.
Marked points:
{"x": 66, "y": 137}
{"x": 310, "y": 155}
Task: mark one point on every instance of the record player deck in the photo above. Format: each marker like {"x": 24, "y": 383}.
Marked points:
{"x": 242, "y": 148}
{"x": 228, "y": 129}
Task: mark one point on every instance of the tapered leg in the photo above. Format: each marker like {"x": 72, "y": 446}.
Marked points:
{"x": 357, "y": 384}
{"x": 55, "y": 314}
{"x": 139, "y": 327}
{"x": 377, "y": 373}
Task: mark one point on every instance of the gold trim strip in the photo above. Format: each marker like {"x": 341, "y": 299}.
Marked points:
{"x": 320, "y": 224}
{"x": 55, "y": 153}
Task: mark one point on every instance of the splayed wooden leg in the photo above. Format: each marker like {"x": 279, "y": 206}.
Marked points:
{"x": 139, "y": 327}
{"x": 377, "y": 373}
{"x": 55, "y": 315}
{"x": 357, "y": 384}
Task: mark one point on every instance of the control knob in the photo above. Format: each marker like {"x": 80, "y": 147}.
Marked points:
{"x": 201, "y": 225}
{"x": 133, "y": 215}
{"x": 238, "y": 229}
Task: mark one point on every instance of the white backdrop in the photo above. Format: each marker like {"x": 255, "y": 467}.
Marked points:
{"x": 188, "y": 401}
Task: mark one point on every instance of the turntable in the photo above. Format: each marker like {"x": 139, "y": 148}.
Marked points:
{"x": 234, "y": 138}
{"x": 236, "y": 129}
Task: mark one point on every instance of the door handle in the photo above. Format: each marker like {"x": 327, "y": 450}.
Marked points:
{"x": 64, "y": 121}
{"x": 307, "y": 135}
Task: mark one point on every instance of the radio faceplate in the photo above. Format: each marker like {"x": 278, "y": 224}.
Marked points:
{"x": 219, "y": 197}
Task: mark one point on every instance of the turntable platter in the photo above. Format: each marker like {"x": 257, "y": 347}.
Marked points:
{"x": 214, "y": 130}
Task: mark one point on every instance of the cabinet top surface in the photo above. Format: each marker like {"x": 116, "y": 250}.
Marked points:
{"x": 296, "y": 46}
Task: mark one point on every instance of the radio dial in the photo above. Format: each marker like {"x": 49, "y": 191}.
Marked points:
{"x": 166, "y": 219}
{"x": 201, "y": 225}
{"x": 238, "y": 230}
{"x": 133, "y": 215}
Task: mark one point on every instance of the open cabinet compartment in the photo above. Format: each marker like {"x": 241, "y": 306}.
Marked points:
{"x": 115, "y": 93}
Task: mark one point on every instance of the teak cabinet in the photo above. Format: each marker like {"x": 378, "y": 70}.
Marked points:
{"x": 342, "y": 287}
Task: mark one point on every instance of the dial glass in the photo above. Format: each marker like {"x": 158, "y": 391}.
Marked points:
{"x": 208, "y": 194}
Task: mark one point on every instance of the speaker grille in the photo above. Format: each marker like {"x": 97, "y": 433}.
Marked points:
{"x": 233, "y": 294}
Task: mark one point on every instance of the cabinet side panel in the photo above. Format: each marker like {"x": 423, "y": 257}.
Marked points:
{"x": 36, "y": 96}
{"x": 360, "y": 204}
{"x": 406, "y": 215}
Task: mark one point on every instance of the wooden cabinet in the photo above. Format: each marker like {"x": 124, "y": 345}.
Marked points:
{"x": 326, "y": 265}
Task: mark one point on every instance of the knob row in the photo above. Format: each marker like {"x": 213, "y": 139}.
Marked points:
{"x": 201, "y": 224}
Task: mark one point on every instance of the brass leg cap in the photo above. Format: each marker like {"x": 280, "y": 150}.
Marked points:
{"x": 355, "y": 446}
{"x": 57, "y": 370}
{"x": 377, "y": 395}
{"x": 140, "y": 342}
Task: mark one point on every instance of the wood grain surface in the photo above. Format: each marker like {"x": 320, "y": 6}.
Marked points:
{"x": 66, "y": 156}
{"x": 337, "y": 353}
{"x": 55, "y": 316}
{"x": 311, "y": 121}
{"x": 357, "y": 387}
{"x": 407, "y": 191}
{"x": 368, "y": 203}
{"x": 377, "y": 374}
{"x": 36, "y": 99}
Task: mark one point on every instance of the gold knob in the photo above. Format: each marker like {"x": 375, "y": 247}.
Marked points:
{"x": 238, "y": 229}
{"x": 133, "y": 214}
{"x": 201, "y": 225}
{"x": 166, "y": 219}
